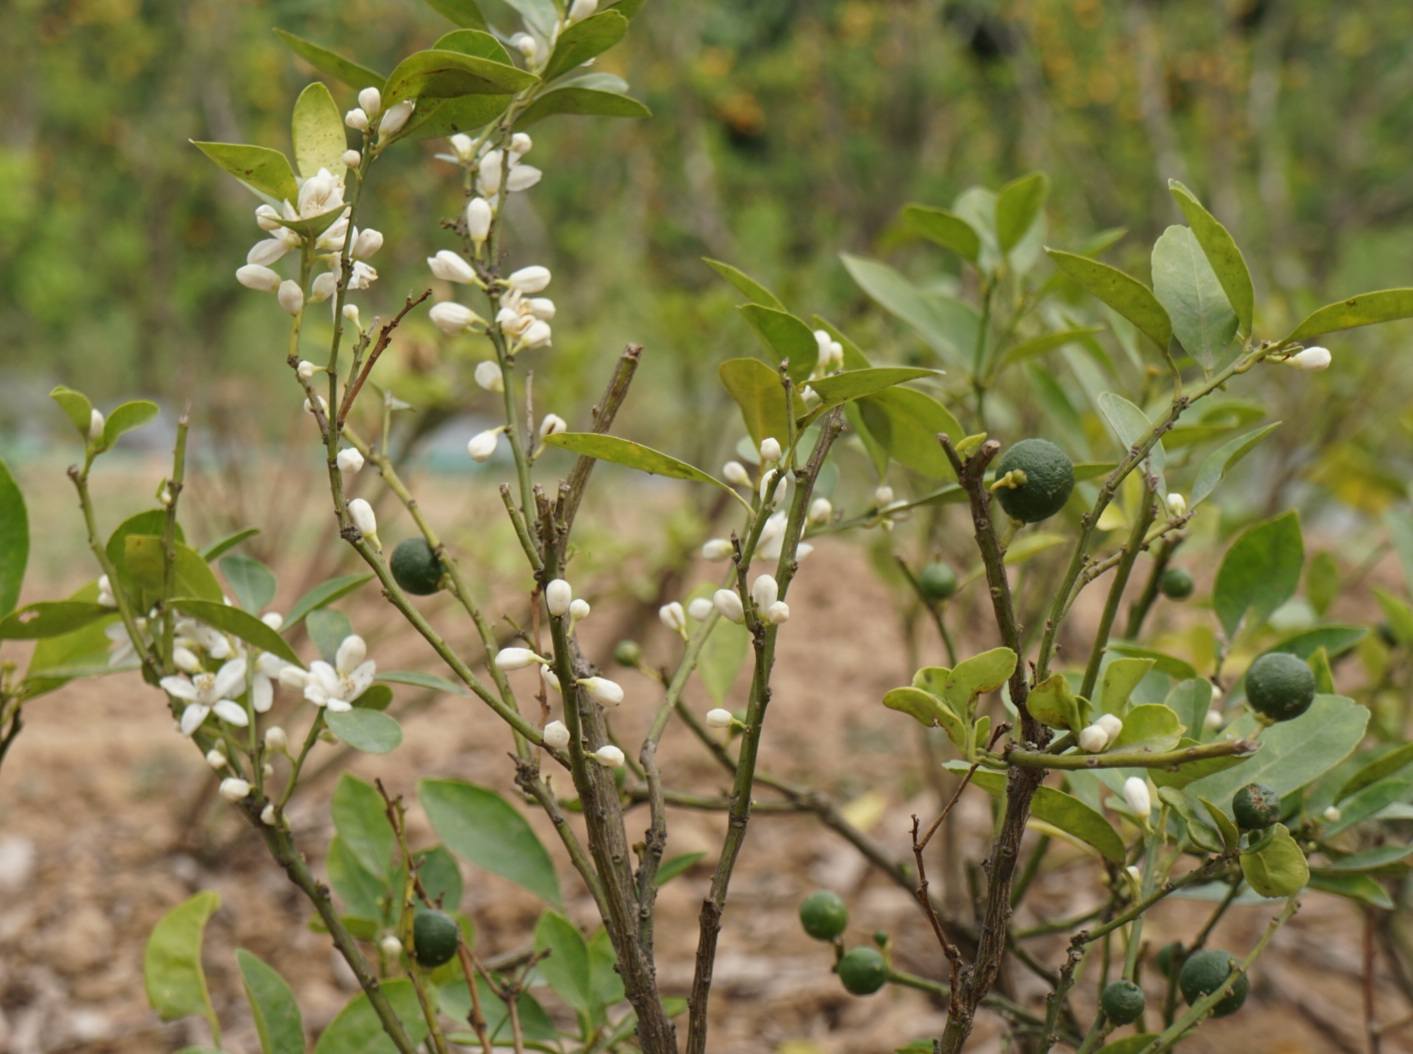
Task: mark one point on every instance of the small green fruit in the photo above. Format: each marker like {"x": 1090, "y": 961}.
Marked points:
{"x": 1176, "y": 584}
{"x": 627, "y": 653}
{"x": 1280, "y": 686}
{"x": 1205, "y": 972}
{"x": 416, "y": 568}
{"x": 863, "y": 971}
{"x": 1256, "y": 807}
{"x": 435, "y": 937}
{"x": 823, "y": 915}
{"x": 937, "y": 582}
{"x": 1049, "y": 479}
{"x": 1122, "y": 1002}
{"x": 1166, "y": 957}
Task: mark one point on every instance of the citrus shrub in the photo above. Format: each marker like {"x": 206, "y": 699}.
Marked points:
{"x": 1153, "y": 761}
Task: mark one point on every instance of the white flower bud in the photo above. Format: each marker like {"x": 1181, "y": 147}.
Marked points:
{"x": 367, "y": 242}
{"x": 719, "y": 717}
{"x": 769, "y": 450}
{"x": 395, "y": 119}
{"x": 728, "y": 603}
{"x": 267, "y": 218}
{"x": 552, "y": 425}
{"x": 767, "y": 478}
{"x": 258, "y": 277}
{"x": 371, "y": 100}
{"x": 1135, "y": 876}
{"x": 275, "y": 739}
{"x": 233, "y": 789}
{"x": 674, "y": 617}
{"x": 701, "y": 608}
{"x": 520, "y": 144}
{"x": 363, "y": 517}
{"x": 1217, "y": 692}
{"x": 717, "y": 549}
{"x": 522, "y": 177}
{"x": 357, "y": 119}
{"x": 96, "y": 424}
{"x": 450, "y": 267}
{"x": 579, "y": 610}
{"x": 489, "y": 376}
{"x": 390, "y": 946}
{"x": 323, "y": 406}
{"x": 273, "y": 619}
{"x": 764, "y": 591}
{"x": 264, "y": 253}
{"x": 350, "y": 315}
{"x": 349, "y": 460}
{"x": 777, "y": 613}
{"x": 603, "y": 691}
{"x": 531, "y": 279}
{"x": 582, "y": 9}
{"x": 559, "y": 594}
{"x": 556, "y": 735}
{"x": 1177, "y": 505}
{"x": 518, "y": 659}
{"x": 1212, "y": 720}
{"x": 1310, "y": 359}
{"x": 551, "y": 679}
{"x": 324, "y": 286}
{"x": 290, "y": 296}
{"x": 537, "y": 334}
{"x": 351, "y": 159}
{"x": 609, "y": 756}
{"x": 1111, "y": 725}
{"x": 482, "y": 445}
{"x": 524, "y": 43}
{"x": 735, "y": 473}
{"x": 461, "y": 146}
{"x": 1136, "y": 794}
{"x": 452, "y": 318}
{"x": 478, "y": 220}
{"x": 821, "y": 511}
{"x": 883, "y": 495}
{"x": 293, "y": 677}
{"x": 216, "y": 759}
{"x": 1093, "y": 739}
{"x": 305, "y": 370}
{"x": 268, "y": 816}
{"x": 1331, "y": 814}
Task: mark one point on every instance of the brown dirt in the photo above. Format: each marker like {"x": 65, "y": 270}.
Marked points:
{"x": 98, "y": 796}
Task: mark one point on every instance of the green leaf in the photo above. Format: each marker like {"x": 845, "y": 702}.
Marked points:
{"x": 1400, "y": 530}
{"x": 277, "y": 1018}
{"x": 439, "y": 119}
{"x": 357, "y": 1029}
{"x": 1359, "y": 888}
{"x": 478, "y": 825}
{"x": 759, "y": 393}
{"x": 462, "y": 12}
{"x": 171, "y": 965}
{"x": 1371, "y": 772}
{"x": 252, "y": 582}
{"x": 1130, "y": 1044}
{"x": 238, "y": 623}
{"x": 858, "y": 384}
{"x": 947, "y": 325}
{"x": 1152, "y": 727}
{"x": 50, "y": 618}
{"x": 1366, "y": 309}
{"x": 1185, "y": 284}
{"x": 1322, "y": 582}
{"x": 328, "y": 629}
{"x": 1397, "y": 614}
{"x": 1053, "y": 703}
{"x": 1131, "y": 426}
{"x": 1223, "y": 255}
{"x": 1382, "y": 858}
{"x": 584, "y": 102}
{"x": 80, "y": 653}
{"x": 14, "y": 540}
{"x": 566, "y": 966}
{"x": 359, "y": 889}
{"x": 944, "y": 228}
{"x": 370, "y": 731}
{"x": 76, "y": 407}
{"x": 905, "y": 423}
{"x": 1121, "y": 677}
{"x": 1017, "y": 205}
{"x": 722, "y": 657}
{"x": 143, "y": 568}
{"x": 125, "y": 417}
{"x": 603, "y": 970}
{"x": 1370, "y": 801}
{"x": 1259, "y": 573}
{"x": 585, "y": 40}
{"x": 748, "y": 286}
{"x": 473, "y": 42}
{"x": 977, "y": 676}
{"x": 436, "y": 74}
{"x": 1192, "y": 771}
{"x": 1063, "y": 811}
{"x": 361, "y": 820}
{"x": 785, "y": 337}
{"x": 440, "y": 876}
{"x": 224, "y": 545}
{"x": 1275, "y": 866}
{"x": 323, "y": 594}
{"x": 634, "y": 455}
{"x": 1220, "y": 461}
{"x": 422, "y": 680}
{"x": 317, "y": 132}
{"x": 921, "y": 706}
{"x": 679, "y": 865}
{"x": 263, "y": 170}
{"x": 1122, "y": 292}
{"x": 1046, "y": 342}
{"x": 1231, "y": 837}
{"x": 353, "y": 74}
{"x": 1162, "y": 661}
{"x": 539, "y": 15}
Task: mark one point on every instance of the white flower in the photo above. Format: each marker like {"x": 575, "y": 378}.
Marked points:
{"x": 478, "y": 220}
{"x": 267, "y": 251}
{"x": 579, "y": 610}
{"x": 356, "y": 119}
{"x": 452, "y": 318}
{"x": 325, "y": 285}
{"x": 701, "y": 608}
{"x": 821, "y": 511}
{"x": 267, "y": 218}
{"x": 364, "y": 519}
{"x": 582, "y": 9}
{"x": 777, "y": 613}
{"x": 522, "y": 177}
{"x": 728, "y": 603}
{"x": 234, "y": 789}
{"x": 552, "y": 425}
{"x": 461, "y": 145}
{"x": 609, "y": 756}
{"x": 371, "y": 100}
{"x": 531, "y": 279}
{"x": 537, "y": 334}
{"x": 482, "y": 445}
{"x": 1111, "y": 725}
{"x": 883, "y": 495}
{"x": 395, "y": 119}
{"x": 258, "y": 277}
{"x": 735, "y": 473}
{"x": 216, "y": 759}
{"x": 276, "y": 739}
{"x": 769, "y": 450}
{"x": 673, "y": 617}
{"x": 290, "y": 296}
{"x": 1212, "y": 720}
{"x": 489, "y": 376}
{"x": 764, "y": 591}
{"x": 105, "y": 593}
{"x": 719, "y": 717}
{"x": 559, "y": 594}
{"x": 717, "y": 549}
{"x": 350, "y": 460}
{"x": 1093, "y": 739}
{"x": 556, "y": 735}
{"x": 305, "y": 370}
{"x": 366, "y": 242}
{"x": 603, "y": 691}
{"x": 351, "y": 158}
{"x": 1177, "y": 505}
{"x": 1310, "y": 359}
{"x": 1136, "y": 794}
{"x": 337, "y": 687}
{"x": 210, "y": 692}
{"x": 518, "y": 658}
{"x": 319, "y": 193}
{"x": 450, "y": 267}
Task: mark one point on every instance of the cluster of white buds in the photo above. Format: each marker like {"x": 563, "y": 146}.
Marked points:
{"x": 674, "y": 617}
{"x": 526, "y": 319}
{"x": 831, "y": 354}
{"x": 1177, "y": 505}
{"x": 369, "y": 116}
{"x": 1310, "y": 359}
{"x": 1137, "y": 796}
{"x": 765, "y": 596}
{"x": 772, "y": 539}
{"x": 482, "y": 445}
{"x": 1098, "y": 737}
{"x": 556, "y": 735}
{"x": 503, "y": 169}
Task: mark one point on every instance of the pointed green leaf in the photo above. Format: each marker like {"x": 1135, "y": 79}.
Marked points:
{"x": 473, "y": 42}
{"x": 1122, "y": 292}
{"x": 565, "y": 965}
{"x": 585, "y": 40}
{"x": 14, "y": 540}
{"x": 1062, "y": 811}
{"x": 353, "y": 74}
{"x": 581, "y": 101}
{"x": 323, "y": 594}
{"x": 1259, "y": 573}
{"x": 421, "y": 680}
{"x": 748, "y": 286}
{"x": 50, "y": 618}
{"x": 1222, "y": 460}
{"x": 76, "y": 407}
{"x": 143, "y": 568}
{"x": 1152, "y": 727}
{"x": 944, "y": 228}
{"x": 263, "y": 170}
{"x": 361, "y": 820}
{"x": 366, "y": 729}
{"x": 171, "y": 966}
{"x": 1385, "y": 764}
{"x": 238, "y": 623}
{"x": 922, "y": 707}
{"x": 480, "y": 826}
{"x": 251, "y": 581}
{"x": 1222, "y": 254}
{"x": 462, "y": 12}
{"x": 1366, "y": 309}
{"x": 633, "y": 455}
{"x": 278, "y": 1022}
{"x": 435, "y": 74}
{"x": 858, "y": 384}
{"x": 357, "y": 1029}
{"x": 1017, "y": 205}
{"x": 947, "y": 325}
{"x": 905, "y": 423}
{"x": 680, "y": 865}
{"x": 1053, "y": 704}
{"x": 317, "y": 132}
{"x": 759, "y": 393}
{"x": 1131, "y": 425}
{"x": 722, "y": 657}
{"x": 1121, "y": 677}
{"x": 1185, "y": 284}
{"x": 1359, "y": 888}
{"x": 785, "y": 337}
{"x": 1046, "y": 342}
{"x": 125, "y": 417}
{"x": 978, "y": 676}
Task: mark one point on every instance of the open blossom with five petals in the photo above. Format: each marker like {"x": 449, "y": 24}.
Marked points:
{"x": 336, "y": 687}
{"x": 208, "y": 693}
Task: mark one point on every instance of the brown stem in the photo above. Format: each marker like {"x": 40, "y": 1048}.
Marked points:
{"x": 384, "y": 338}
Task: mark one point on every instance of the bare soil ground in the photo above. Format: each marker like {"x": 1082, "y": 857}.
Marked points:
{"x": 103, "y": 828}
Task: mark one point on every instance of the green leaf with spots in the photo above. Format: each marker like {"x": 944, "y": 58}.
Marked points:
{"x": 264, "y": 171}
{"x": 1366, "y": 309}
{"x": 317, "y": 131}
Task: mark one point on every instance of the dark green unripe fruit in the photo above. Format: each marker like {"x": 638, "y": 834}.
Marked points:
{"x": 937, "y": 582}
{"x": 1166, "y": 957}
{"x": 1122, "y": 1002}
{"x": 823, "y": 915}
{"x": 435, "y": 937}
{"x": 1256, "y": 807}
{"x": 1176, "y": 584}
{"x": 1049, "y": 479}
{"x": 416, "y": 568}
{"x": 627, "y": 653}
{"x": 863, "y": 971}
{"x": 1204, "y": 972}
{"x": 1279, "y": 686}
